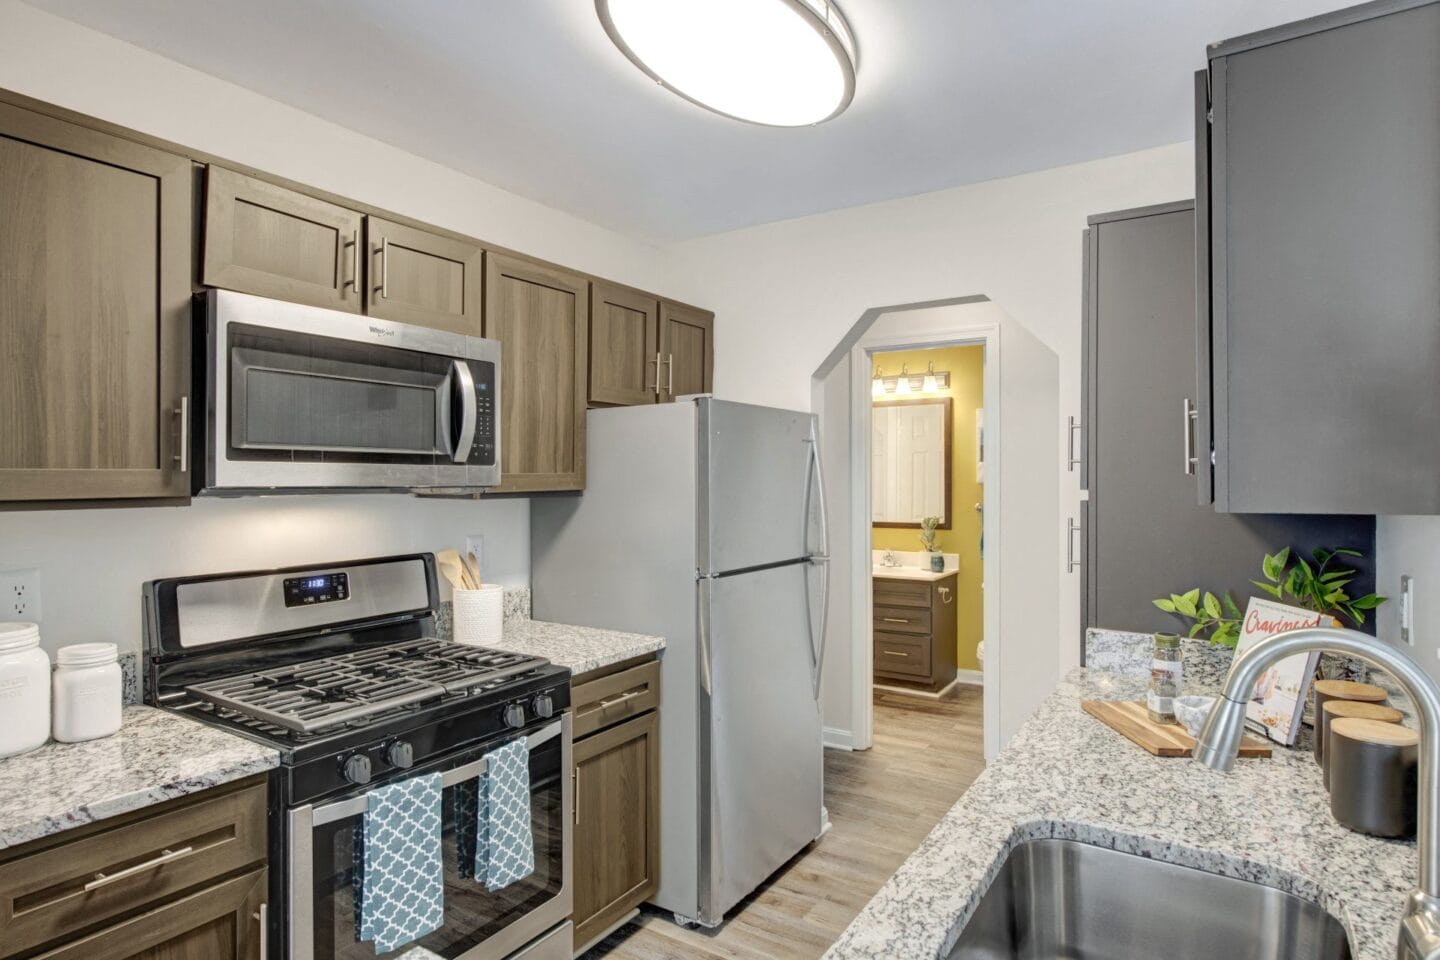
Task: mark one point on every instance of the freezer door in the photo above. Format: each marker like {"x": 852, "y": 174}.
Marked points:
{"x": 761, "y": 756}
{"x": 755, "y": 475}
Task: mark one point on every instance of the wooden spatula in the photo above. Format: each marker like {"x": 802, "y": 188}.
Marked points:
{"x": 472, "y": 567}
{"x": 448, "y": 562}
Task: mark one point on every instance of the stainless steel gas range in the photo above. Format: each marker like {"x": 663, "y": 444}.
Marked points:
{"x": 337, "y": 667}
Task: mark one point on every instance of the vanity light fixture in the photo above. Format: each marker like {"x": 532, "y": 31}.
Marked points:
{"x": 907, "y": 383}
{"x": 780, "y": 63}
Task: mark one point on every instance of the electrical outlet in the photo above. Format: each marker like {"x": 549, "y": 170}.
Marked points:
{"x": 20, "y": 595}
{"x": 475, "y": 543}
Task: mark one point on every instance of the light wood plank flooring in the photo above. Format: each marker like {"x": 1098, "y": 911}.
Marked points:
{"x": 882, "y": 801}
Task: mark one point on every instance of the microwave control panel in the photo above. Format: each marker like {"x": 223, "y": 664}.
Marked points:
{"x": 482, "y": 448}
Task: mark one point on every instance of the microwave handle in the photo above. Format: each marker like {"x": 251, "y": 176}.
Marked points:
{"x": 469, "y": 411}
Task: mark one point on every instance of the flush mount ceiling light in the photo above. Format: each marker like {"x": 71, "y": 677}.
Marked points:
{"x": 783, "y": 63}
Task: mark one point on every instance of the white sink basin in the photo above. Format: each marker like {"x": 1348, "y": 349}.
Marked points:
{"x": 908, "y": 573}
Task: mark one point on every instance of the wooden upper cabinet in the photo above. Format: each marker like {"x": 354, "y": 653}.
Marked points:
{"x": 539, "y": 314}
{"x": 95, "y": 282}
{"x": 274, "y": 242}
{"x": 423, "y": 278}
{"x": 687, "y": 351}
{"x": 624, "y": 346}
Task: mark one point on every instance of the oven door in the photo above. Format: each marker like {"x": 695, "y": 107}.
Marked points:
{"x": 479, "y": 925}
{"x": 307, "y": 398}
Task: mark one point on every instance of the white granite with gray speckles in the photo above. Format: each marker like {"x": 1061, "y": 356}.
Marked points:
{"x": 1067, "y": 775}
{"x": 156, "y": 756}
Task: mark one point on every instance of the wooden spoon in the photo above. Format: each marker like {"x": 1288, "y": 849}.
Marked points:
{"x": 472, "y": 567}
{"x": 449, "y": 564}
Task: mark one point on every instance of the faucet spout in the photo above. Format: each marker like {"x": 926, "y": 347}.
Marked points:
{"x": 1219, "y": 743}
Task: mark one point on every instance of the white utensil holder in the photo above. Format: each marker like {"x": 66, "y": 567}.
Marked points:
{"x": 479, "y": 615}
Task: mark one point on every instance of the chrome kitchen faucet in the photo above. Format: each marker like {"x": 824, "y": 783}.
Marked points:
{"x": 1219, "y": 743}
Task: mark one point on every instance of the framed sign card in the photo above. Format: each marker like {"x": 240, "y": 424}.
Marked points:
{"x": 1279, "y": 698}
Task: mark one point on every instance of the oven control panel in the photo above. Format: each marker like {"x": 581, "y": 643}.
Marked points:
{"x": 323, "y": 588}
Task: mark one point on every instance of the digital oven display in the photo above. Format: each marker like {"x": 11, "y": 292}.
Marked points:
{"x": 303, "y": 591}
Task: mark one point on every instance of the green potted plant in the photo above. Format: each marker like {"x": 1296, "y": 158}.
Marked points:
{"x": 1319, "y": 587}
{"x": 928, "y": 528}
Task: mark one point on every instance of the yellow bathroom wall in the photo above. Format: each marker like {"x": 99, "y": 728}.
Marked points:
{"x": 966, "y": 366}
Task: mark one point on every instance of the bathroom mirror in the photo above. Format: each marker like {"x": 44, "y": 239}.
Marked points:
{"x": 910, "y": 462}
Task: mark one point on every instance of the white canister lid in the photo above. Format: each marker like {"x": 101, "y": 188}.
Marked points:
{"x": 86, "y": 654}
{"x": 18, "y": 636}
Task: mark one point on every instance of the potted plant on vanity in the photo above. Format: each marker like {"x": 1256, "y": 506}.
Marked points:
{"x": 928, "y": 528}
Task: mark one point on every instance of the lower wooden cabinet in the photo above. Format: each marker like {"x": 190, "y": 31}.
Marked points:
{"x": 915, "y": 631}
{"x": 184, "y": 880}
{"x": 617, "y": 818}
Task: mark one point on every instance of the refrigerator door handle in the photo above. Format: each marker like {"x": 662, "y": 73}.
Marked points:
{"x": 704, "y": 636}
{"x": 814, "y": 469}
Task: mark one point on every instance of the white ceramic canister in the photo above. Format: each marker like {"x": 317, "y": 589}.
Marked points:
{"x": 87, "y": 692}
{"x": 24, "y": 689}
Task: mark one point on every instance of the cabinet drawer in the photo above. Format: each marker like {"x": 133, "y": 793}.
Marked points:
{"x": 902, "y": 619}
{"x": 606, "y": 701}
{"x": 43, "y": 895}
{"x": 902, "y": 593}
{"x": 902, "y": 656}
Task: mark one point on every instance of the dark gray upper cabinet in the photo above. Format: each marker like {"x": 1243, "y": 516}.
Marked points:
{"x": 1323, "y": 213}
{"x": 1145, "y": 535}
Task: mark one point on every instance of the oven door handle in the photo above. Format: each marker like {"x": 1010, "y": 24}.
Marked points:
{"x": 469, "y": 411}
{"x": 354, "y": 806}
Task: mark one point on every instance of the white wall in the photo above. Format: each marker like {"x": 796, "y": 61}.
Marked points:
{"x": 785, "y": 293}
{"x": 1410, "y": 546}
{"x": 92, "y": 562}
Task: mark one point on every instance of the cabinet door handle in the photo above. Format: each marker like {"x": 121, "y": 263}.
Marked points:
{"x": 1192, "y": 418}
{"x": 383, "y": 287}
{"x": 166, "y": 856}
{"x": 622, "y": 698}
{"x": 1071, "y": 528}
{"x": 354, "y": 244}
{"x": 656, "y": 362}
{"x": 260, "y": 916}
{"x": 894, "y": 620}
{"x": 575, "y": 793}
{"x": 895, "y": 653}
{"x": 182, "y": 456}
{"x": 1073, "y": 460}
{"x": 669, "y": 374}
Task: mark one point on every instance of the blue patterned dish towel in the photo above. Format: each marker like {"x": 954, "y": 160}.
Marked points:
{"x": 504, "y": 848}
{"x": 399, "y": 872}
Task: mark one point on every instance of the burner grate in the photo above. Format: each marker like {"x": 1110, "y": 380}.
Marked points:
{"x": 333, "y": 691}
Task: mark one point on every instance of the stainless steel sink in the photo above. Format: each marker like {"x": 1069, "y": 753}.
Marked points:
{"x": 1062, "y": 900}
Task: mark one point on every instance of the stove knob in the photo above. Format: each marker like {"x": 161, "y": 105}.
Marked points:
{"x": 515, "y": 716}
{"x": 400, "y": 754}
{"x": 357, "y": 769}
{"x": 543, "y": 706}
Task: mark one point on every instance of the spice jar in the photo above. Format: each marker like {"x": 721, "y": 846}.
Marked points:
{"x": 87, "y": 692}
{"x": 24, "y": 689}
{"x": 1166, "y": 675}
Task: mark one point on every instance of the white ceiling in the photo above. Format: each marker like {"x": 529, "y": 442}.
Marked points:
{"x": 531, "y": 95}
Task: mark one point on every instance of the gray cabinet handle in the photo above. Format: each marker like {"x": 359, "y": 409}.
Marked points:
{"x": 1192, "y": 417}
{"x": 260, "y": 915}
{"x": 1073, "y": 460}
{"x": 166, "y": 856}
{"x": 383, "y": 287}
{"x": 894, "y": 620}
{"x": 895, "y": 653}
{"x": 669, "y": 373}
{"x": 182, "y": 456}
{"x": 1071, "y": 527}
{"x": 656, "y": 362}
{"x": 354, "y": 244}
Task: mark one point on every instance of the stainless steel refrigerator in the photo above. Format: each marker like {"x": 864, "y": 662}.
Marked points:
{"x": 703, "y": 522}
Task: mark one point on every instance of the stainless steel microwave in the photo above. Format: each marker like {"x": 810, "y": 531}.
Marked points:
{"x": 303, "y": 399}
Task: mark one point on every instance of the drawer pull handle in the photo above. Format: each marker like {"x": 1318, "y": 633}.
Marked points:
{"x": 616, "y": 701}
{"x": 895, "y": 619}
{"x": 895, "y": 653}
{"x": 166, "y": 856}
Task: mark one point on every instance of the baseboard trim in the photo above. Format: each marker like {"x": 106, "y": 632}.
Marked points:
{"x": 837, "y": 739}
{"x": 919, "y": 694}
{"x": 974, "y": 678}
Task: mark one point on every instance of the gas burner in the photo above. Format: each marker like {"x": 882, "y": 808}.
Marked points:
{"x": 322, "y": 694}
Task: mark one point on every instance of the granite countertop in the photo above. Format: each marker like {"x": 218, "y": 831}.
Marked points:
{"x": 1066, "y": 775}
{"x": 582, "y": 649}
{"x": 156, "y": 756}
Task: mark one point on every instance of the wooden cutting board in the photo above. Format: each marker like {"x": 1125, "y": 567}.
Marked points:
{"x": 1129, "y": 718}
